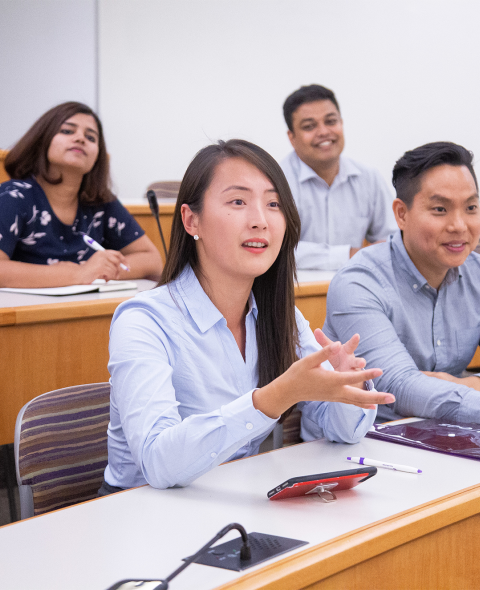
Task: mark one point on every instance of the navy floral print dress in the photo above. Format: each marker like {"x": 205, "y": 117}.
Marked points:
{"x": 31, "y": 232}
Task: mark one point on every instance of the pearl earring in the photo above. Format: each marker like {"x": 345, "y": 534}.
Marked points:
{"x": 195, "y": 237}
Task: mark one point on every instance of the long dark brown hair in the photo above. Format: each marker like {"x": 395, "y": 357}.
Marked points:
{"x": 29, "y": 155}
{"x": 277, "y": 333}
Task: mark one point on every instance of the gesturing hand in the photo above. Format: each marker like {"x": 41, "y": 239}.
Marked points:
{"x": 344, "y": 359}
{"x": 307, "y": 380}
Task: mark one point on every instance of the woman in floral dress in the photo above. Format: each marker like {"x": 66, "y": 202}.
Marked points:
{"x": 60, "y": 191}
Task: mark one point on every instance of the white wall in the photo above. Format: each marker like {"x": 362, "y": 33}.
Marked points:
{"x": 178, "y": 74}
{"x": 48, "y": 52}
{"x": 175, "y": 75}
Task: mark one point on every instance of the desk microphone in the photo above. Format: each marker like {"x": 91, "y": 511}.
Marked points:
{"x": 152, "y": 201}
{"x": 245, "y": 555}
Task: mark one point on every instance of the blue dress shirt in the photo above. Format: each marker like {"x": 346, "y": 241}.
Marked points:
{"x": 336, "y": 218}
{"x": 181, "y": 393}
{"x": 406, "y": 326}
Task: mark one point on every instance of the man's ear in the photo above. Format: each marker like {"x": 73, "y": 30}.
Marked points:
{"x": 190, "y": 220}
{"x": 291, "y": 137}
{"x": 400, "y": 211}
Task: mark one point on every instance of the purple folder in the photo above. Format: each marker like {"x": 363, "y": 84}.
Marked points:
{"x": 452, "y": 438}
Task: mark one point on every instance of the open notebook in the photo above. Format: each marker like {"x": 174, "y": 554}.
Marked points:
{"x": 99, "y": 285}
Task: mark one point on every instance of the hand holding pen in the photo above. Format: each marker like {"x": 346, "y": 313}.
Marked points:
{"x": 104, "y": 264}
{"x": 96, "y": 246}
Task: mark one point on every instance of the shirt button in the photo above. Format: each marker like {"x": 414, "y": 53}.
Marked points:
{"x": 213, "y": 455}
{"x": 415, "y": 286}
{"x": 249, "y": 426}
{"x": 61, "y": 237}
{"x": 439, "y": 342}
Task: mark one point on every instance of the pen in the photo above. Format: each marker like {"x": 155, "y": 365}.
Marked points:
{"x": 96, "y": 246}
{"x": 373, "y": 463}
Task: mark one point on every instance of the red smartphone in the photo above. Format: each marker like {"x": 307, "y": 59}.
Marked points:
{"x": 334, "y": 481}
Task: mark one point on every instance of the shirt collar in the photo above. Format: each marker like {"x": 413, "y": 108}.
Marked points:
{"x": 199, "y": 305}
{"x": 416, "y": 280}
{"x": 346, "y": 169}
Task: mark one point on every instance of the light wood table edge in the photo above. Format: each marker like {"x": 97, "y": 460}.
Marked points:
{"x": 144, "y": 209}
{"x": 311, "y": 289}
{"x": 67, "y": 310}
{"x": 322, "y": 561}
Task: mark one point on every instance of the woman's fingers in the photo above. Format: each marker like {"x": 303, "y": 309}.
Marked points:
{"x": 321, "y": 338}
{"x": 351, "y": 346}
{"x": 317, "y": 358}
{"x": 358, "y": 397}
{"x": 353, "y": 377}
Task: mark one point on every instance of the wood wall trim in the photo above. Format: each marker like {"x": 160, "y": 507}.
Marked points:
{"x": 312, "y": 289}
{"x": 322, "y": 561}
{"x": 144, "y": 209}
{"x": 36, "y": 314}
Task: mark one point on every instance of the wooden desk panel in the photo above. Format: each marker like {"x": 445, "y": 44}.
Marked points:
{"x": 3, "y": 174}
{"x": 311, "y": 300}
{"x": 147, "y": 222}
{"x": 46, "y": 347}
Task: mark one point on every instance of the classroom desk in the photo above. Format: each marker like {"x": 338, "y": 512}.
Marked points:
{"x": 141, "y": 212}
{"x": 51, "y": 342}
{"x": 397, "y": 531}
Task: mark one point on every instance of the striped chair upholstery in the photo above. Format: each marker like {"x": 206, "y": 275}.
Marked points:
{"x": 61, "y": 447}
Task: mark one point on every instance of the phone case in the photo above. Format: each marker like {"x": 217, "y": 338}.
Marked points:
{"x": 334, "y": 481}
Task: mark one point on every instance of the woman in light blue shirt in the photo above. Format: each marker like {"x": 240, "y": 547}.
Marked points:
{"x": 203, "y": 366}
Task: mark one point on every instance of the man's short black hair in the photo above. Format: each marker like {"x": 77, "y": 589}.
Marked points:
{"x": 305, "y": 94}
{"x": 408, "y": 170}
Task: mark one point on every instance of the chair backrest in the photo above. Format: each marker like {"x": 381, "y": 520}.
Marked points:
{"x": 288, "y": 433}
{"x": 166, "y": 189}
{"x": 61, "y": 447}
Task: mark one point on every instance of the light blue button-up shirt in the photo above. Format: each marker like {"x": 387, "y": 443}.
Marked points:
{"x": 406, "y": 326}
{"x": 181, "y": 392}
{"x": 336, "y": 218}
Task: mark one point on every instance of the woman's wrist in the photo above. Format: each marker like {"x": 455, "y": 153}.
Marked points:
{"x": 273, "y": 399}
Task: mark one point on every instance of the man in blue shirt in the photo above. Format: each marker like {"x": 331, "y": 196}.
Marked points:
{"x": 340, "y": 201}
{"x": 415, "y": 298}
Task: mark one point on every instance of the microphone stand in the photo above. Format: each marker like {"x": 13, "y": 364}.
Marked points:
{"x": 245, "y": 552}
{"x": 152, "y": 201}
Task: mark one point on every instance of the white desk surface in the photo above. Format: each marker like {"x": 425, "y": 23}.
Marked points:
{"x": 314, "y": 276}
{"x": 22, "y": 299}
{"x": 145, "y": 532}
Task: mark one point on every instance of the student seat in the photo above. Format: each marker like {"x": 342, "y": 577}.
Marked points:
{"x": 61, "y": 447}
{"x": 288, "y": 433}
{"x": 165, "y": 189}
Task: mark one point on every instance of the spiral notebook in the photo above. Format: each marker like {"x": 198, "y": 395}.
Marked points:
{"x": 442, "y": 436}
